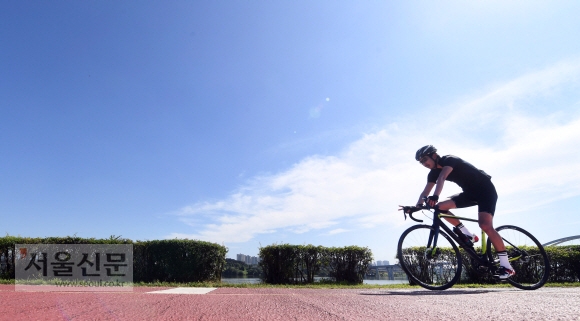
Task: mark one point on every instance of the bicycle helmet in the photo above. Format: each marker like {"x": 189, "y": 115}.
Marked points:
{"x": 425, "y": 150}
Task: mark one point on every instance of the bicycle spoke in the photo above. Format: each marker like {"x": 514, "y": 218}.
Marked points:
{"x": 527, "y": 257}
{"x": 433, "y": 269}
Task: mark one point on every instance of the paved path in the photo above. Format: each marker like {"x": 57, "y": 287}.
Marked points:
{"x": 293, "y": 304}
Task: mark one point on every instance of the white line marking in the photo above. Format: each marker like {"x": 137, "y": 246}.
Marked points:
{"x": 184, "y": 291}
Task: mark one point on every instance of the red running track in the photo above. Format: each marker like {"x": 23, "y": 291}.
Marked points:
{"x": 294, "y": 304}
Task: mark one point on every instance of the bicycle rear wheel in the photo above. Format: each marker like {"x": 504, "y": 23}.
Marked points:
{"x": 527, "y": 256}
{"x": 433, "y": 271}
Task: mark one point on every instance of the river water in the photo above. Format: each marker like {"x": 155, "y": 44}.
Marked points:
{"x": 257, "y": 280}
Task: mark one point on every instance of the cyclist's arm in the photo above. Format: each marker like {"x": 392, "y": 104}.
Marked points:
{"x": 441, "y": 179}
{"x": 425, "y": 192}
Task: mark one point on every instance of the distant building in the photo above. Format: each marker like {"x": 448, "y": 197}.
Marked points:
{"x": 250, "y": 260}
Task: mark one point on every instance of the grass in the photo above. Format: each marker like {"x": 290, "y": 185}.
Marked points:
{"x": 332, "y": 285}
{"x": 320, "y": 285}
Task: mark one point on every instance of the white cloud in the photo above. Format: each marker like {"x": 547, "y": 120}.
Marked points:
{"x": 337, "y": 231}
{"x": 530, "y": 149}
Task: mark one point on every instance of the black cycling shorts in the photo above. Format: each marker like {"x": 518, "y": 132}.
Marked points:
{"x": 485, "y": 197}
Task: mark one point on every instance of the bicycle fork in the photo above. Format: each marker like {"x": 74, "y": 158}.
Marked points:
{"x": 431, "y": 250}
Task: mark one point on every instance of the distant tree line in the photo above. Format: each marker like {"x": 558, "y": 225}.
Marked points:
{"x": 239, "y": 269}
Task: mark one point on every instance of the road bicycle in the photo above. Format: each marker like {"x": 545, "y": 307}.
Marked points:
{"x": 430, "y": 256}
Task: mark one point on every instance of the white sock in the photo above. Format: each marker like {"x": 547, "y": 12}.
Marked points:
{"x": 463, "y": 229}
{"x": 503, "y": 260}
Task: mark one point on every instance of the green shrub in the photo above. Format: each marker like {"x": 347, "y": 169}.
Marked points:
{"x": 287, "y": 264}
{"x": 7, "y": 247}
{"x": 348, "y": 264}
{"x": 564, "y": 265}
{"x": 165, "y": 260}
{"x": 178, "y": 261}
{"x": 278, "y": 262}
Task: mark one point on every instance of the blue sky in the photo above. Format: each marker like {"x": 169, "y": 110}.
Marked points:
{"x": 253, "y": 123}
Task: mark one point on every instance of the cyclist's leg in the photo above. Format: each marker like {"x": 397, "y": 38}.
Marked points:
{"x": 486, "y": 224}
{"x": 445, "y": 206}
{"x": 486, "y": 201}
{"x": 460, "y": 200}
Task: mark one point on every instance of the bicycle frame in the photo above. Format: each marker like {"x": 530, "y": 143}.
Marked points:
{"x": 483, "y": 235}
{"x": 438, "y": 223}
{"x": 531, "y": 260}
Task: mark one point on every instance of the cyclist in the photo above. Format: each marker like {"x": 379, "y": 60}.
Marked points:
{"x": 477, "y": 190}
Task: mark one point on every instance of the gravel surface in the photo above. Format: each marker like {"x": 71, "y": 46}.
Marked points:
{"x": 294, "y": 304}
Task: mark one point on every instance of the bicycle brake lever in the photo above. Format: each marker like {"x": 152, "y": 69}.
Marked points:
{"x": 405, "y": 209}
{"x": 414, "y": 219}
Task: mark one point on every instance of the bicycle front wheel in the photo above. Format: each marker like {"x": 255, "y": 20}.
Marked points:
{"x": 432, "y": 269}
{"x": 526, "y": 255}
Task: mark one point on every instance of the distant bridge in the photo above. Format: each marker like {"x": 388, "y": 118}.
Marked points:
{"x": 390, "y": 269}
{"x": 562, "y": 240}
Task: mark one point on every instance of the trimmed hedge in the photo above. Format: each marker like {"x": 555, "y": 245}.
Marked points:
{"x": 447, "y": 254}
{"x": 564, "y": 265}
{"x": 290, "y": 264}
{"x": 165, "y": 260}
{"x": 178, "y": 261}
{"x": 8, "y": 243}
{"x": 349, "y": 264}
